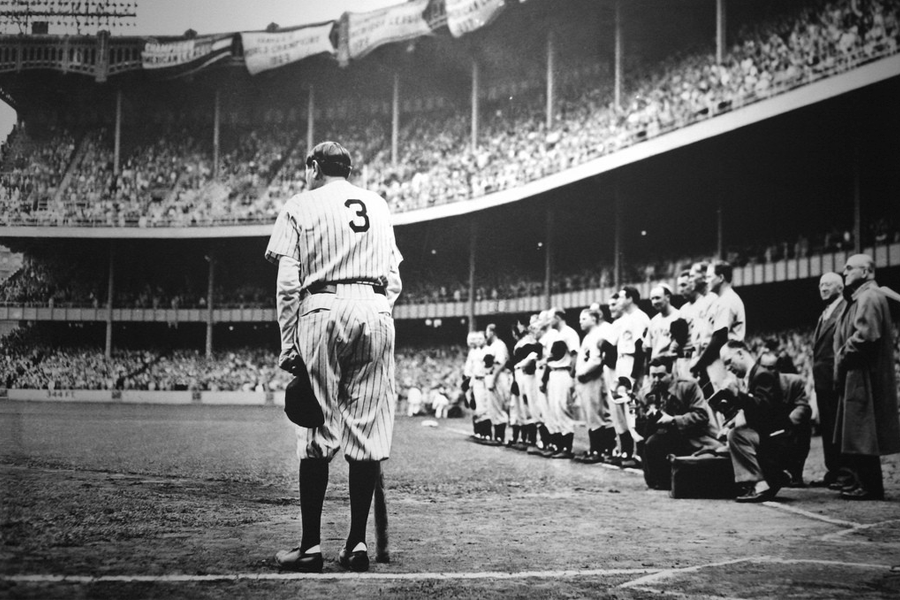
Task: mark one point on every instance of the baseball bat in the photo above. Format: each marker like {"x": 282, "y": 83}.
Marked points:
{"x": 382, "y": 554}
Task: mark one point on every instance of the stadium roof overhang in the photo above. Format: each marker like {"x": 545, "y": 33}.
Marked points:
{"x": 795, "y": 99}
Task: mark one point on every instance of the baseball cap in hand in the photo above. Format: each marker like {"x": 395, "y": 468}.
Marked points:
{"x": 332, "y": 158}
{"x": 300, "y": 403}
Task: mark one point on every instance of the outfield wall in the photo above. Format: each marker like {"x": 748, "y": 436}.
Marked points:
{"x": 146, "y": 397}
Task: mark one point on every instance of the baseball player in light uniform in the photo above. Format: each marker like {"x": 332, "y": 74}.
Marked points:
{"x": 590, "y": 385}
{"x": 475, "y": 372}
{"x": 338, "y": 279}
{"x": 631, "y": 344}
{"x": 727, "y": 321}
{"x": 659, "y": 336}
{"x": 532, "y": 365}
{"x": 562, "y": 351}
{"x": 497, "y": 382}
{"x": 540, "y": 408}
{"x": 701, "y": 324}
{"x": 522, "y": 392}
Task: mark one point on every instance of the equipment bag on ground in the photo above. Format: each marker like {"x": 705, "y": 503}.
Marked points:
{"x": 704, "y": 476}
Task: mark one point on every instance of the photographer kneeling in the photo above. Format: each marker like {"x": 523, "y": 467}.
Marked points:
{"x": 674, "y": 418}
{"x": 765, "y": 411}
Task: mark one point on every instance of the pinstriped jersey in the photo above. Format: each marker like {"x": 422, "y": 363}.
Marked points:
{"x": 337, "y": 232}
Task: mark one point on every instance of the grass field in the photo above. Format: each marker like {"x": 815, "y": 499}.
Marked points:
{"x": 114, "y": 501}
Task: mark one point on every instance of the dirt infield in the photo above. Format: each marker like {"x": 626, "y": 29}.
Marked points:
{"x": 109, "y": 501}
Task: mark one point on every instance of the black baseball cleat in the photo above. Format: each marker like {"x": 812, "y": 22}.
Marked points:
{"x": 357, "y": 561}
{"x": 295, "y": 560}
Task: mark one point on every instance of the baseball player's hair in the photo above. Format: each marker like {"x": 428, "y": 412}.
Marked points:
{"x": 631, "y": 292}
{"x": 685, "y": 273}
{"x": 333, "y": 159}
{"x": 595, "y": 313}
{"x": 723, "y": 268}
{"x": 736, "y": 345}
{"x": 700, "y": 266}
{"x": 662, "y": 361}
{"x": 559, "y": 312}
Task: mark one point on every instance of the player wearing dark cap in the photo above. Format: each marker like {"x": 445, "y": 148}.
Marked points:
{"x": 337, "y": 281}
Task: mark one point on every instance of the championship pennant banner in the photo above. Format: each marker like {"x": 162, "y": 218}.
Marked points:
{"x": 465, "y": 16}
{"x": 186, "y": 56}
{"x": 367, "y": 31}
{"x": 265, "y": 51}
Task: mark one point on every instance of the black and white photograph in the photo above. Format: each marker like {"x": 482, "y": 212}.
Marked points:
{"x": 475, "y": 299}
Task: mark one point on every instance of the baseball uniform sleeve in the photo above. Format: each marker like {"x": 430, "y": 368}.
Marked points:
{"x": 287, "y": 303}
{"x": 283, "y": 241}
{"x": 394, "y": 284}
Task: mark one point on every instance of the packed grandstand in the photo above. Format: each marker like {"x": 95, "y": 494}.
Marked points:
{"x": 76, "y": 163}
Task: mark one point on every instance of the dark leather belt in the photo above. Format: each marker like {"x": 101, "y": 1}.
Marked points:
{"x": 331, "y": 288}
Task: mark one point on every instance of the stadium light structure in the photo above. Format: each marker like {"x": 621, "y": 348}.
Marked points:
{"x": 38, "y": 15}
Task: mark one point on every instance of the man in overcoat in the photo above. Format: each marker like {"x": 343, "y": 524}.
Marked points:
{"x": 831, "y": 288}
{"x": 867, "y": 425}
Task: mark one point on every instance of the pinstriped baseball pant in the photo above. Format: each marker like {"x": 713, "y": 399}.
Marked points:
{"x": 498, "y": 399}
{"x": 594, "y": 403}
{"x": 347, "y": 342}
{"x": 519, "y": 409}
{"x": 558, "y": 392}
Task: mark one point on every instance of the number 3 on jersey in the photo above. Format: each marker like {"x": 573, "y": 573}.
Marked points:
{"x": 361, "y": 215}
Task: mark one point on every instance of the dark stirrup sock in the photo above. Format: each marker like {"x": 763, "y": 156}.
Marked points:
{"x": 313, "y": 483}
{"x": 363, "y": 477}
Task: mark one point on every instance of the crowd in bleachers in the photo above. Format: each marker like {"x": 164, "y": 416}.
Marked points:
{"x": 29, "y": 361}
{"x": 60, "y": 281}
{"x": 167, "y": 176}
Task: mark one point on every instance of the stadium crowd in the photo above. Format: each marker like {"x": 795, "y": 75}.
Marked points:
{"x": 59, "y": 177}
{"x": 61, "y": 282}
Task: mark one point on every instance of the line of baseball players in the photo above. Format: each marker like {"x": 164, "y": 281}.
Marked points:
{"x": 681, "y": 383}
{"x": 552, "y": 368}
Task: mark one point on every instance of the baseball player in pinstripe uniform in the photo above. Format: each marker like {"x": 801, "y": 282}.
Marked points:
{"x": 497, "y": 382}
{"x": 337, "y": 282}
{"x": 562, "y": 349}
{"x": 522, "y": 393}
{"x": 591, "y": 385}
{"x": 474, "y": 374}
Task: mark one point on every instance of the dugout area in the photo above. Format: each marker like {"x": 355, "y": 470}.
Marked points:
{"x": 109, "y": 501}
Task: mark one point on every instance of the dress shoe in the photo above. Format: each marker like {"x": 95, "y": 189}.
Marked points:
{"x": 630, "y": 463}
{"x": 586, "y": 457}
{"x": 549, "y": 451}
{"x": 751, "y": 495}
{"x": 593, "y": 458}
{"x": 295, "y": 560}
{"x": 357, "y": 561}
{"x": 861, "y": 493}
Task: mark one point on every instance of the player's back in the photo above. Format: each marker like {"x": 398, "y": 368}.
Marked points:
{"x": 345, "y": 233}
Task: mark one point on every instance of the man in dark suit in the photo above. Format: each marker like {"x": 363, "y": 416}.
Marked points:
{"x": 831, "y": 287}
{"x": 772, "y": 408}
{"x": 867, "y": 425}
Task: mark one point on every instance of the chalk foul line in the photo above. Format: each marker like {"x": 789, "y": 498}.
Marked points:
{"x": 648, "y": 580}
{"x": 233, "y": 577}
